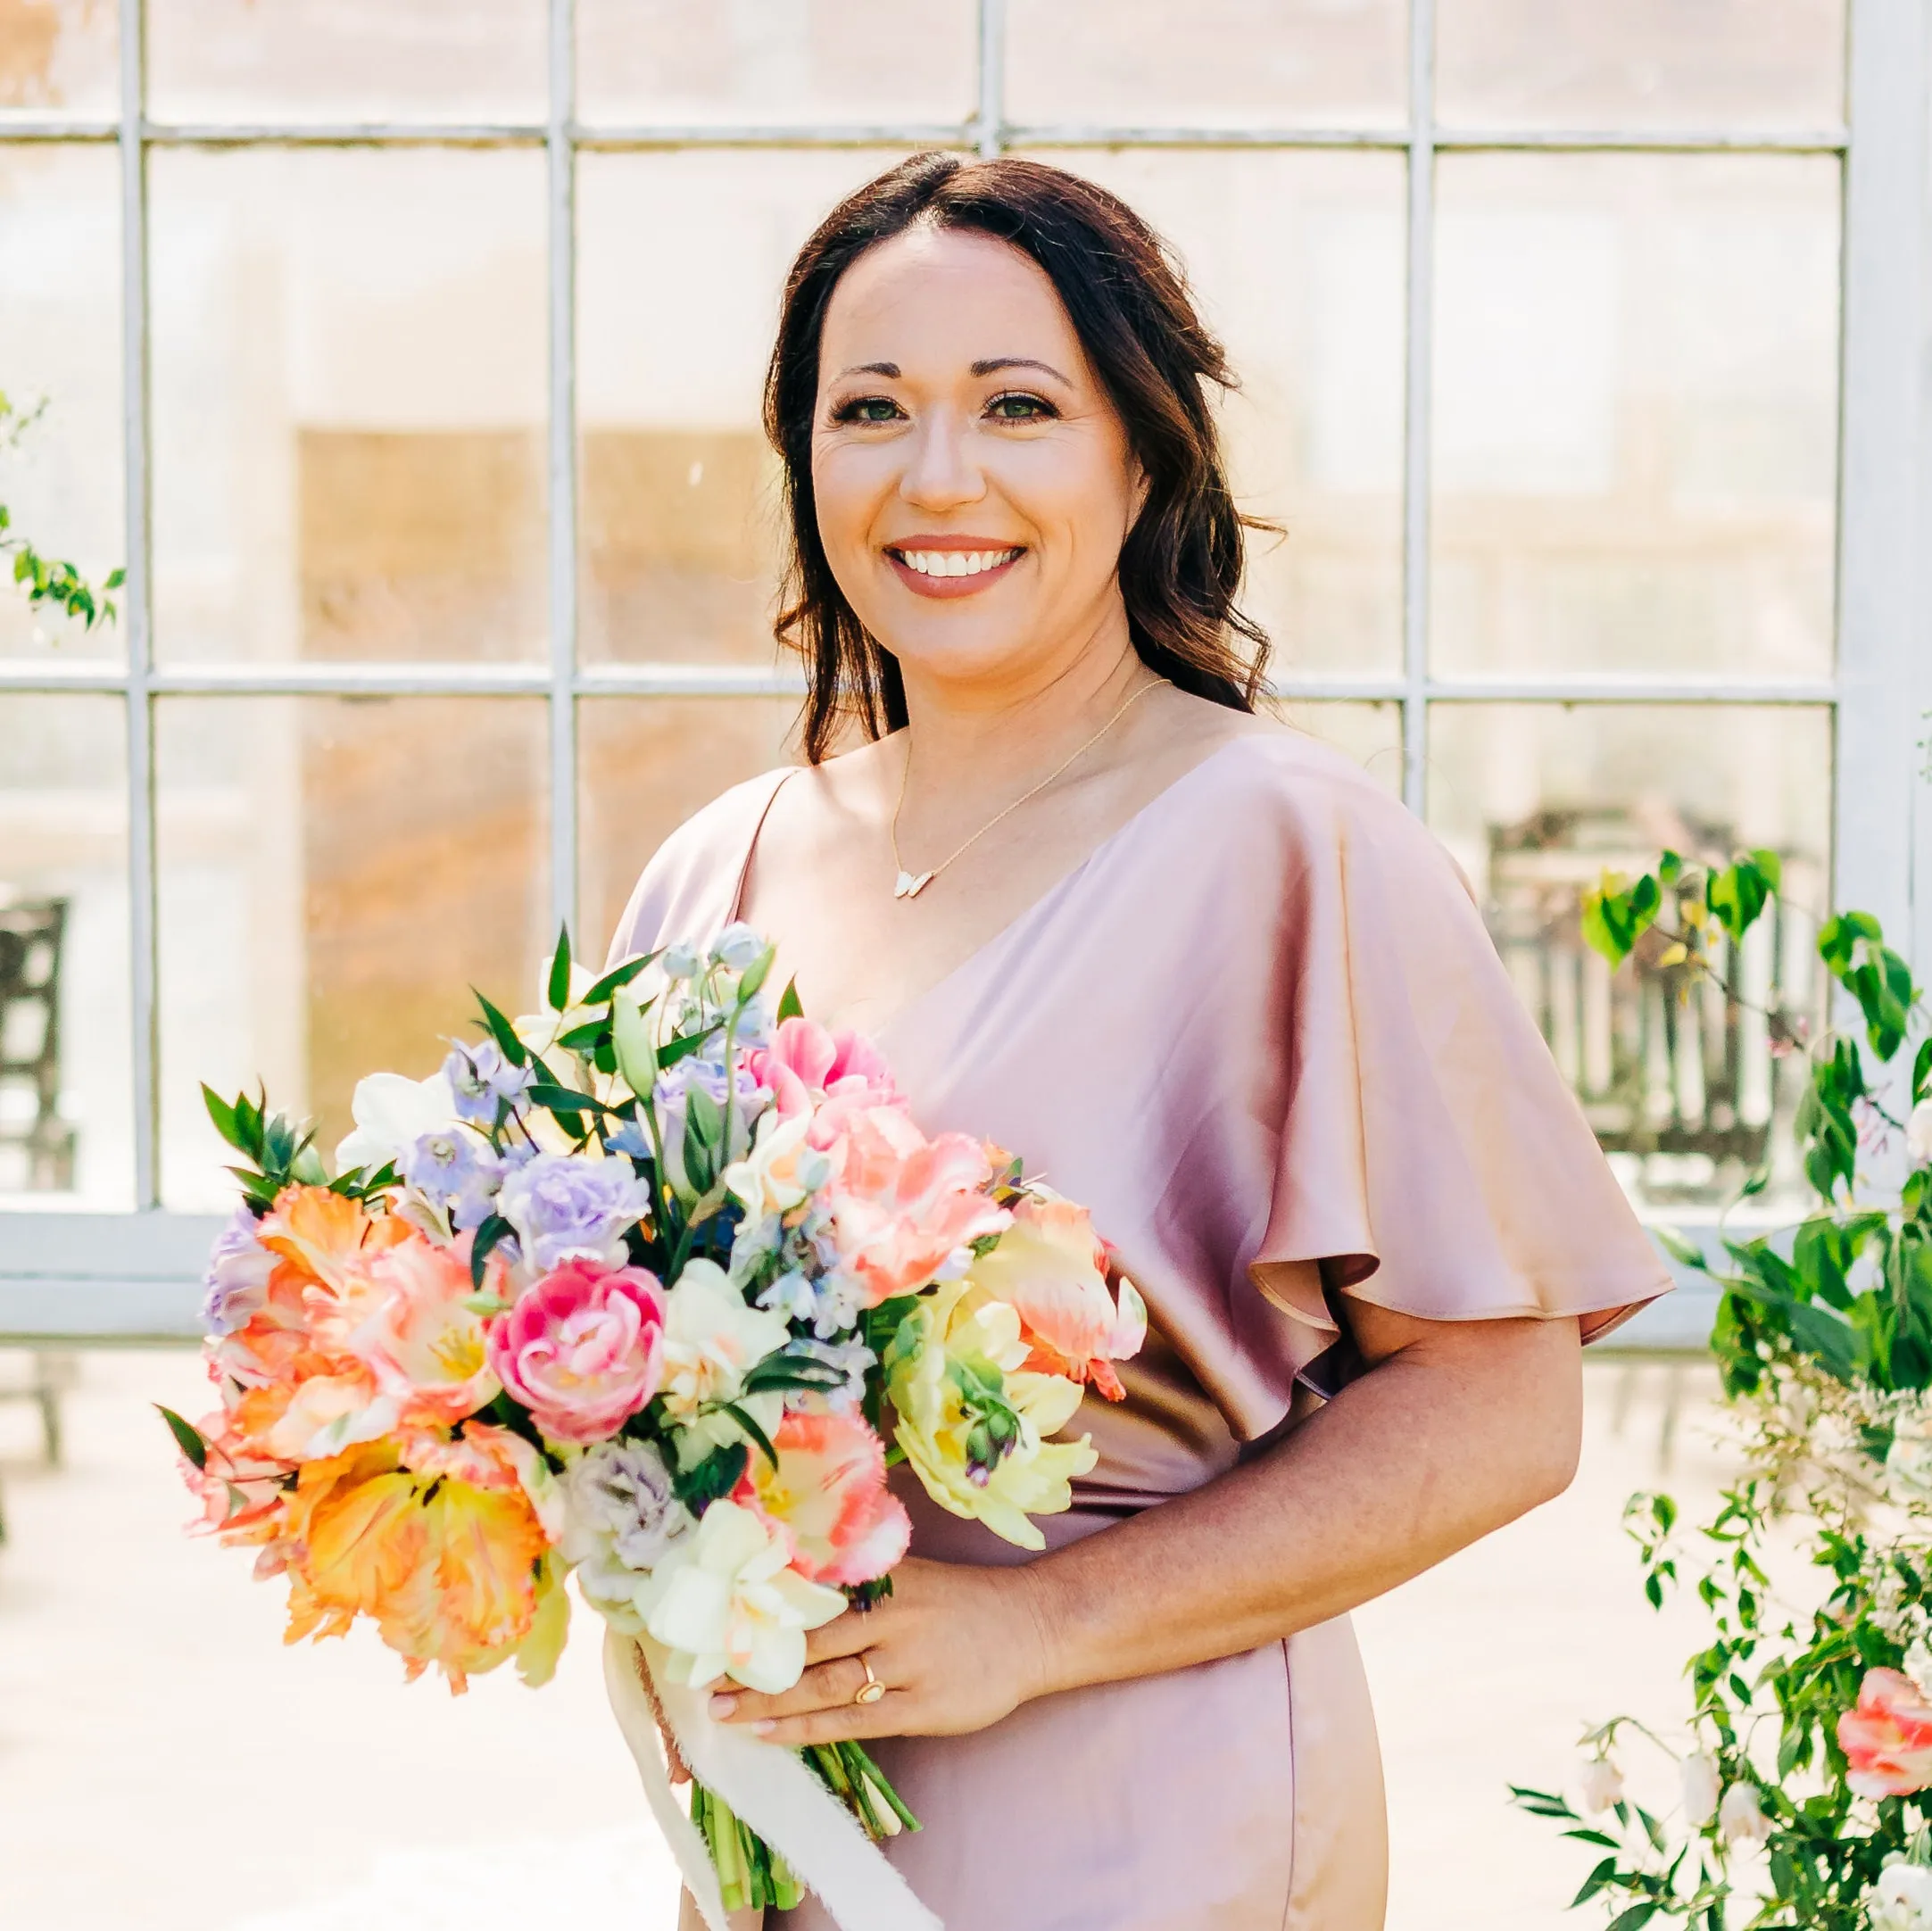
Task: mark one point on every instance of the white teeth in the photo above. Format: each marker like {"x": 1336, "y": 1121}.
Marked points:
{"x": 954, "y": 562}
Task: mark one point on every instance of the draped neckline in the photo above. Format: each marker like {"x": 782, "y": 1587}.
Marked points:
{"x": 1029, "y": 915}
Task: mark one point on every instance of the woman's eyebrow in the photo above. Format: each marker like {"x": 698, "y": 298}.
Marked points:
{"x": 890, "y": 370}
{"x": 996, "y": 363}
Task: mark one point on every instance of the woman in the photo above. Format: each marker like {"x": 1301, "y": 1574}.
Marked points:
{"x": 1214, "y": 984}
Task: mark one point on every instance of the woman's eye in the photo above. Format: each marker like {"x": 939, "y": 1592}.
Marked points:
{"x": 867, "y": 408}
{"x": 1020, "y": 408}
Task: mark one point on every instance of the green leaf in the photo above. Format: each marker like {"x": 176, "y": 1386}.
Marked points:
{"x": 1687, "y": 1252}
{"x": 1737, "y": 895}
{"x": 1615, "y": 918}
{"x": 187, "y": 1438}
{"x": 1772, "y": 867}
{"x": 556, "y": 1099}
{"x": 492, "y": 1231}
{"x": 600, "y": 992}
{"x": 558, "y": 992}
{"x": 716, "y": 1475}
{"x": 1597, "y": 1880}
{"x": 512, "y": 1048}
{"x": 790, "y": 1004}
{"x": 1638, "y": 1914}
{"x": 744, "y": 1420}
{"x": 223, "y": 1115}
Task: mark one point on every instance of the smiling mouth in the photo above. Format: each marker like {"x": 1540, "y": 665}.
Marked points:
{"x": 953, "y": 562}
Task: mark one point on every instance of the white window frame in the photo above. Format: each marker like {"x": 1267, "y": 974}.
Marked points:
{"x": 134, "y": 1277}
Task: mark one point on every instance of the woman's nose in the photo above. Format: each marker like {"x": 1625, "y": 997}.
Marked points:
{"x": 942, "y": 473}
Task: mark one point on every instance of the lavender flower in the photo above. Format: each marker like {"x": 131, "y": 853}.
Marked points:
{"x": 671, "y": 1099}
{"x": 237, "y": 1276}
{"x": 621, "y": 1518}
{"x": 566, "y": 1205}
{"x": 481, "y": 1077}
{"x": 451, "y": 1170}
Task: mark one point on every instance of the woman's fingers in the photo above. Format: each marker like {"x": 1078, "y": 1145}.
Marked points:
{"x": 826, "y": 1685}
{"x": 856, "y": 1630}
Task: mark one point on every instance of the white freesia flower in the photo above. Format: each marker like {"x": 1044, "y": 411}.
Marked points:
{"x": 711, "y": 1341}
{"x": 1603, "y": 1785}
{"x": 1918, "y": 1132}
{"x": 1700, "y": 1789}
{"x": 726, "y": 1602}
{"x": 781, "y": 1172}
{"x": 391, "y": 1114}
{"x": 1909, "y": 1459}
{"x": 1901, "y": 1899}
{"x": 1740, "y": 1816}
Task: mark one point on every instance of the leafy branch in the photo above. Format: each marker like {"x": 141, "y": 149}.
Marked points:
{"x": 49, "y": 579}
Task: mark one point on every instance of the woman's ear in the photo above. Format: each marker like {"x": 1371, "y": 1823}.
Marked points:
{"x": 1138, "y": 487}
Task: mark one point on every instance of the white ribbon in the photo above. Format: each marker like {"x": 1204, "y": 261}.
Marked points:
{"x": 767, "y": 1785}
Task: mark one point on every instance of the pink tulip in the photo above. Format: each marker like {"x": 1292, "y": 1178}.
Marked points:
{"x": 828, "y": 1498}
{"x": 904, "y": 1206}
{"x": 1887, "y": 1739}
{"x": 580, "y": 1349}
{"x": 804, "y": 1066}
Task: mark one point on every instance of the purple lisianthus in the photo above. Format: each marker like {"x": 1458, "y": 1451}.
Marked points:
{"x": 481, "y": 1077}
{"x": 237, "y": 1276}
{"x": 452, "y": 1170}
{"x": 566, "y": 1206}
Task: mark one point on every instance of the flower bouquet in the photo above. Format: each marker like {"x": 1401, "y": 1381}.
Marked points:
{"x": 651, "y": 1288}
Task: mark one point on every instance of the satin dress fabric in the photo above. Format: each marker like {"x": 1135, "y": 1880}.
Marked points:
{"x": 1261, "y": 1024}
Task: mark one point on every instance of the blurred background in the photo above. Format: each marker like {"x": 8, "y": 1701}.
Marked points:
{"x": 407, "y": 355}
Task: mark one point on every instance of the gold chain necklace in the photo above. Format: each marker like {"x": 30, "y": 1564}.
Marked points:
{"x": 910, "y": 884}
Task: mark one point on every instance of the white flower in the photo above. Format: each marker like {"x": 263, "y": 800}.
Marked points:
{"x": 781, "y": 1173}
{"x": 1741, "y": 1815}
{"x": 1901, "y": 1899}
{"x": 726, "y": 1602}
{"x": 1700, "y": 1789}
{"x": 712, "y": 1340}
{"x": 392, "y": 1114}
{"x": 1603, "y": 1785}
{"x": 1918, "y": 1132}
{"x": 1909, "y": 1459}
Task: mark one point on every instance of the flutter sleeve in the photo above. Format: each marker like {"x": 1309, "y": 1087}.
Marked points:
{"x": 1431, "y": 1157}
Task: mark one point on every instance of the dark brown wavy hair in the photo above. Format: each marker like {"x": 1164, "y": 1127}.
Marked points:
{"x": 1128, "y": 300}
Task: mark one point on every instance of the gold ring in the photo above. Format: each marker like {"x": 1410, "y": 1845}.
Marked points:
{"x": 871, "y": 1689}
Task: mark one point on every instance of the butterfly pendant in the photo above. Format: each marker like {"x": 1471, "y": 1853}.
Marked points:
{"x": 910, "y": 886}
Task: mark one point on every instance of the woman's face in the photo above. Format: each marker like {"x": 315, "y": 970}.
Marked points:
{"x": 974, "y": 483}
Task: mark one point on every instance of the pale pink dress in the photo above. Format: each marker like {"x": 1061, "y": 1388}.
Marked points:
{"x": 1262, "y": 1022}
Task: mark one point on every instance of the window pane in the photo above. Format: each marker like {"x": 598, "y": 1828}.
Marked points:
{"x": 1370, "y": 733}
{"x": 1216, "y": 63}
{"x": 60, "y": 371}
{"x": 1635, "y": 422}
{"x": 645, "y": 766}
{"x": 1536, "y": 801}
{"x": 350, "y": 398}
{"x": 335, "y": 873}
{"x": 778, "y": 62}
{"x": 60, "y": 57}
{"x": 678, "y": 504}
{"x": 347, "y": 60}
{"x": 1298, "y": 262}
{"x": 1640, "y": 63}
{"x": 66, "y": 1097}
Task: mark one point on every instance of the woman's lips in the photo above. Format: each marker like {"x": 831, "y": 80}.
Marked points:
{"x": 950, "y": 569}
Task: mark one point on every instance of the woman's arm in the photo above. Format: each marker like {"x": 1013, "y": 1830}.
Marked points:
{"x": 1458, "y": 1428}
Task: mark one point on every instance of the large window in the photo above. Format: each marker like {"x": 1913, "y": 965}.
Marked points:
{"x": 409, "y": 356}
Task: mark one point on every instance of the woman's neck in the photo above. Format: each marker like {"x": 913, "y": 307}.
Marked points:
{"x": 974, "y": 747}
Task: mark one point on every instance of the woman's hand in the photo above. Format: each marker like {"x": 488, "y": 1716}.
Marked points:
{"x": 955, "y": 1647}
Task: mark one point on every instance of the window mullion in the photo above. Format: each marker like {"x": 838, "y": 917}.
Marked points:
{"x": 137, "y": 608}
{"x": 561, "y": 218}
{"x": 990, "y": 127}
{"x": 1419, "y": 329}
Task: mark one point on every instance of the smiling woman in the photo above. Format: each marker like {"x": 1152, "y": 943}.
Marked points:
{"x": 1224, "y": 990}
